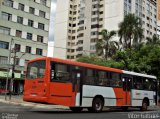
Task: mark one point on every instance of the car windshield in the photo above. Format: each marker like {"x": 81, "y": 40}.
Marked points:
{"x": 36, "y": 69}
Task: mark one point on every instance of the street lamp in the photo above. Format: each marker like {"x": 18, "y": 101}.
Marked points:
{"x": 11, "y": 50}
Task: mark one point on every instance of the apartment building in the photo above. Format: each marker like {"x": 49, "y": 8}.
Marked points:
{"x": 158, "y": 18}
{"x": 79, "y": 23}
{"x": 24, "y": 27}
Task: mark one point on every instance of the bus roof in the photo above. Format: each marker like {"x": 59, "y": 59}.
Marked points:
{"x": 139, "y": 74}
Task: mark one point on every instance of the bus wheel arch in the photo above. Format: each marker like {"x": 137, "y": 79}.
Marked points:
{"x": 97, "y": 103}
{"x": 145, "y": 104}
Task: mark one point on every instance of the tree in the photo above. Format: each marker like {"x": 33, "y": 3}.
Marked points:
{"x": 105, "y": 47}
{"x": 130, "y": 31}
{"x": 153, "y": 41}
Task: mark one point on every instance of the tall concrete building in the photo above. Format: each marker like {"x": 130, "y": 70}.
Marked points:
{"x": 24, "y": 26}
{"x": 158, "y": 18}
{"x": 79, "y": 23}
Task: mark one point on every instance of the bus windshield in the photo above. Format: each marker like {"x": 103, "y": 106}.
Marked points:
{"x": 36, "y": 70}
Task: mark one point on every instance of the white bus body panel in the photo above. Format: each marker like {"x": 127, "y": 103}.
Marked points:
{"x": 77, "y": 99}
{"x": 89, "y": 92}
{"x": 139, "y": 95}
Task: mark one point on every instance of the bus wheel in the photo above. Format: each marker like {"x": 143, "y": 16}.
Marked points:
{"x": 144, "y": 106}
{"x": 76, "y": 109}
{"x": 97, "y": 105}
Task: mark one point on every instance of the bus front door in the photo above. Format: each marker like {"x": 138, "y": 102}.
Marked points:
{"x": 77, "y": 86}
{"x": 127, "y": 84}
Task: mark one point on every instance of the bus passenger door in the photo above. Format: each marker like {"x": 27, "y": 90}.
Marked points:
{"x": 77, "y": 86}
{"x": 127, "y": 85}
{"x": 60, "y": 85}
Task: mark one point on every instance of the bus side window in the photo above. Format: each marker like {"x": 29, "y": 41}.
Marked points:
{"x": 146, "y": 84}
{"x": 138, "y": 83}
{"x": 89, "y": 77}
{"x": 153, "y": 84}
{"x": 115, "y": 80}
{"x": 103, "y": 79}
{"x": 52, "y": 71}
{"x": 62, "y": 72}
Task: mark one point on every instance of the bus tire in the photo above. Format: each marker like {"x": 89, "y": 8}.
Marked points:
{"x": 144, "y": 106}
{"x": 76, "y": 109}
{"x": 97, "y": 105}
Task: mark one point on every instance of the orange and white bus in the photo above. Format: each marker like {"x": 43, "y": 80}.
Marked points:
{"x": 81, "y": 85}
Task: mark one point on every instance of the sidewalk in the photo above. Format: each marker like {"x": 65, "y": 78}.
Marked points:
{"x": 18, "y": 100}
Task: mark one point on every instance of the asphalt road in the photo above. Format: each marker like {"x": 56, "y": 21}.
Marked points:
{"x": 8, "y": 111}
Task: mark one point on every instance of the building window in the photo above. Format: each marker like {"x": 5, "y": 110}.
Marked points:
{"x": 38, "y": 51}
{"x": 93, "y": 40}
{"x": 40, "y": 38}
{"x": 95, "y": 12}
{"x": 20, "y": 20}
{"x": 94, "y": 26}
{"x": 74, "y": 25}
{"x": 28, "y": 49}
{"x": 18, "y": 33}
{"x": 33, "y": 0}
{"x": 81, "y": 22}
{"x": 42, "y": 14}
{"x": 94, "y": 33}
{"x": 80, "y": 49}
{"x": 4, "y": 45}
{"x": 30, "y": 23}
{"x": 3, "y": 60}
{"x": 17, "y": 47}
{"x": 29, "y": 36}
{"x": 8, "y": 3}
{"x": 6, "y": 16}
{"x": 41, "y": 26}
{"x": 4, "y": 30}
{"x": 43, "y": 2}
{"x": 31, "y": 10}
{"x": 21, "y": 7}
{"x": 17, "y": 61}
{"x": 92, "y": 47}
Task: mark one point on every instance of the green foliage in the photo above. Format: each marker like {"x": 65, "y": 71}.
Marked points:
{"x": 105, "y": 47}
{"x": 130, "y": 31}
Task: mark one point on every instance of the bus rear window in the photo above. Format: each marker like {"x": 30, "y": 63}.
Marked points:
{"x": 36, "y": 70}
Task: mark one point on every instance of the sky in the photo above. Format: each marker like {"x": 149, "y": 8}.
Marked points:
{"x": 51, "y": 28}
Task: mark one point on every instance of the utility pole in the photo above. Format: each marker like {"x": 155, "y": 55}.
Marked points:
{"x": 8, "y": 69}
{"x": 9, "y": 86}
{"x": 13, "y": 69}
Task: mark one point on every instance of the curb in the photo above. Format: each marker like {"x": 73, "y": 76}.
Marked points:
{"x": 34, "y": 105}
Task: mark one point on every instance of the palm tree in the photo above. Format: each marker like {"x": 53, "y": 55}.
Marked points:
{"x": 153, "y": 41}
{"x": 130, "y": 31}
{"x": 105, "y": 46}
